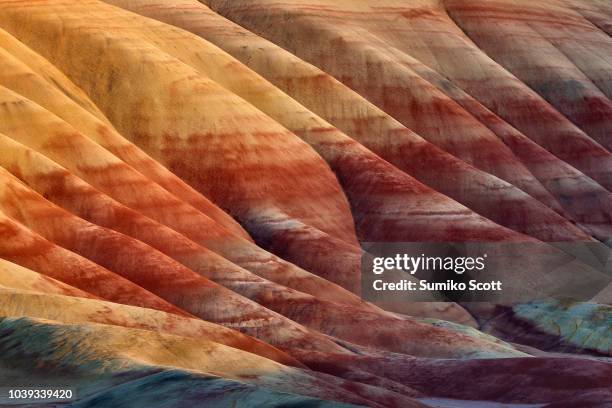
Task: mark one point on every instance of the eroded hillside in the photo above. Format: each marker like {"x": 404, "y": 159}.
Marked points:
{"x": 185, "y": 188}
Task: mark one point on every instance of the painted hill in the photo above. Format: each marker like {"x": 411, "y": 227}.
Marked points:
{"x": 186, "y": 189}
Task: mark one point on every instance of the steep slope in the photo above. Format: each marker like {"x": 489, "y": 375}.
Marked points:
{"x": 561, "y": 326}
{"x": 346, "y": 157}
{"x": 597, "y": 12}
{"x": 169, "y": 210}
{"x": 17, "y": 277}
{"x": 114, "y": 177}
{"x": 176, "y": 136}
{"x": 385, "y": 136}
{"x": 313, "y": 312}
{"x": 24, "y": 247}
{"x": 186, "y": 188}
{"x": 36, "y": 301}
{"x": 197, "y": 295}
{"x": 21, "y": 69}
{"x": 111, "y": 350}
{"x": 532, "y": 46}
{"x": 153, "y": 271}
{"x": 508, "y": 381}
{"x": 370, "y": 47}
{"x": 317, "y": 255}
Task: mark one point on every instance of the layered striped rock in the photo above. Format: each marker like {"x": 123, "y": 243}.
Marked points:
{"x": 219, "y": 141}
{"x": 370, "y": 48}
{"x": 106, "y": 351}
{"x": 583, "y": 200}
{"x": 116, "y": 178}
{"x": 483, "y": 381}
{"x": 346, "y": 157}
{"x": 568, "y": 67}
{"x": 19, "y": 303}
{"x": 557, "y": 326}
{"x": 24, "y": 247}
{"x": 29, "y": 297}
{"x": 74, "y": 193}
{"x": 58, "y": 303}
{"x": 350, "y": 266}
{"x": 57, "y": 184}
{"x": 154, "y": 271}
{"x": 17, "y": 277}
{"x": 197, "y": 295}
{"x": 499, "y": 90}
{"x": 27, "y": 73}
{"x": 122, "y": 278}
{"x": 597, "y": 12}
